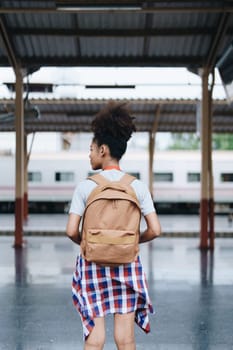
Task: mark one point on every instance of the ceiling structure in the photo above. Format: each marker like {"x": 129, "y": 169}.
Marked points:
{"x": 192, "y": 34}
{"x": 74, "y": 115}
{"x": 115, "y": 33}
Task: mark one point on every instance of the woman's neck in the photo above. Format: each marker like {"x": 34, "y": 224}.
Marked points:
{"x": 111, "y": 167}
{"x": 111, "y": 164}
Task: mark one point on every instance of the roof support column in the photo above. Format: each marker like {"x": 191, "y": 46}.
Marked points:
{"x": 25, "y": 204}
{"x": 210, "y": 165}
{"x": 151, "y": 161}
{"x": 152, "y": 136}
{"x": 207, "y": 203}
{"x": 19, "y": 156}
{"x": 19, "y": 128}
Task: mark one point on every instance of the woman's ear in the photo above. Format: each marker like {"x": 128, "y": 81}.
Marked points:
{"x": 104, "y": 149}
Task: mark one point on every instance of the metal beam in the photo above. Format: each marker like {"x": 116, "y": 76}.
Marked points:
{"x": 164, "y": 126}
{"x": 103, "y": 61}
{"x": 162, "y": 8}
{"x": 217, "y": 41}
{"x": 76, "y": 26}
{"x": 146, "y": 43}
{"x": 7, "y": 44}
{"x": 134, "y": 102}
{"x": 146, "y": 32}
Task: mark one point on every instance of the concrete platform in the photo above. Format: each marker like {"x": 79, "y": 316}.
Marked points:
{"x": 192, "y": 293}
{"x": 172, "y": 225}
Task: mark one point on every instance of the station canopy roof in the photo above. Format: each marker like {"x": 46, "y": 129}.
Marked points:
{"x": 73, "y": 115}
{"x": 114, "y": 33}
{"x": 75, "y": 33}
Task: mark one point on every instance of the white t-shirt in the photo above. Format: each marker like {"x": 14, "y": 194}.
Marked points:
{"x": 85, "y": 187}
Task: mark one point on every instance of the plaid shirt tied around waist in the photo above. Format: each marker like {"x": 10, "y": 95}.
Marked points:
{"x": 98, "y": 291}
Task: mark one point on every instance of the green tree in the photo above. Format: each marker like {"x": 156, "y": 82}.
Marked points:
{"x": 222, "y": 141}
{"x": 190, "y": 141}
{"x": 184, "y": 141}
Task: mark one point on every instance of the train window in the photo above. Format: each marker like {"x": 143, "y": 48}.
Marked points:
{"x": 90, "y": 173}
{"x": 135, "y": 173}
{"x": 64, "y": 176}
{"x": 34, "y": 176}
{"x": 226, "y": 177}
{"x": 163, "y": 177}
{"x": 193, "y": 177}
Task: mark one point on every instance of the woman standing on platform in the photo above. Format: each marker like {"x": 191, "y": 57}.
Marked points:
{"x": 122, "y": 290}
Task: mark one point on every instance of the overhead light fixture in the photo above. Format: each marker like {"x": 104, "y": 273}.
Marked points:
{"x": 95, "y": 6}
{"x": 109, "y": 86}
{"x": 31, "y": 87}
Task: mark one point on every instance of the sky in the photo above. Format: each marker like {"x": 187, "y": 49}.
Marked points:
{"x": 150, "y": 82}
{"x": 170, "y": 83}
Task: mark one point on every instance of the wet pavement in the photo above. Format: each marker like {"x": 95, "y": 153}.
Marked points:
{"x": 172, "y": 225}
{"x": 192, "y": 292}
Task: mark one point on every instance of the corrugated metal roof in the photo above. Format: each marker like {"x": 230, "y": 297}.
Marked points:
{"x": 76, "y": 115}
{"x": 174, "y": 33}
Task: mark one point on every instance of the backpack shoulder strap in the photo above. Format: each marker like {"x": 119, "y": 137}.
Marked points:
{"x": 127, "y": 179}
{"x": 99, "y": 179}
{"x": 101, "y": 182}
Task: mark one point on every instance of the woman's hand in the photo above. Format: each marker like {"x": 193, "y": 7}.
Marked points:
{"x": 153, "y": 228}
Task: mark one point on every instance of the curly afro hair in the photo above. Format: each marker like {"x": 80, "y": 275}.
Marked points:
{"x": 113, "y": 126}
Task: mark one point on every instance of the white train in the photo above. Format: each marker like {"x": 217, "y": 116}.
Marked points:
{"x": 176, "y": 187}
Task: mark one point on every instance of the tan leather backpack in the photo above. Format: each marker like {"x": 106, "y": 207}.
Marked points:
{"x": 111, "y": 222}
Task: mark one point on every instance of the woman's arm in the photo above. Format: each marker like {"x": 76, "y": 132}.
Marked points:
{"x": 153, "y": 228}
{"x": 72, "y": 228}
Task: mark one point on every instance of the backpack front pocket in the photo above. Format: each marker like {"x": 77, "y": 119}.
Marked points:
{"x": 115, "y": 246}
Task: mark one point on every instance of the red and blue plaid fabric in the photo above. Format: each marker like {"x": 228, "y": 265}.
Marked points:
{"x": 98, "y": 291}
